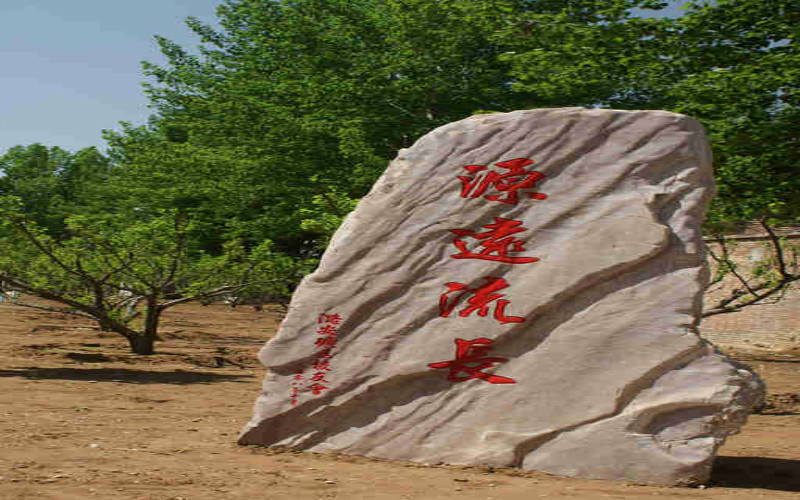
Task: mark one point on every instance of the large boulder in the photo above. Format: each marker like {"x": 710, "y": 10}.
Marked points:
{"x": 518, "y": 289}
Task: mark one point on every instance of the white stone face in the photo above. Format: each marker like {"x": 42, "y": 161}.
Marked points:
{"x": 585, "y": 362}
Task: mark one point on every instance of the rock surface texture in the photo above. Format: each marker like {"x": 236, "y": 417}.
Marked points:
{"x": 518, "y": 289}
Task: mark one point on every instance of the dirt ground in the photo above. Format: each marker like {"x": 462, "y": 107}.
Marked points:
{"x": 82, "y": 418}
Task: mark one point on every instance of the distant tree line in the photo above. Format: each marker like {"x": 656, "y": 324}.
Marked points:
{"x": 265, "y": 139}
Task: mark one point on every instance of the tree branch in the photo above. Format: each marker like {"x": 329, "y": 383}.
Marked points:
{"x": 730, "y": 265}
{"x": 757, "y": 292}
{"x": 124, "y": 264}
{"x": 98, "y": 314}
{"x": 213, "y": 293}
{"x": 42, "y": 248}
{"x": 204, "y": 295}
{"x": 53, "y": 309}
{"x": 776, "y": 245}
{"x": 45, "y": 294}
{"x": 755, "y": 300}
{"x": 180, "y": 247}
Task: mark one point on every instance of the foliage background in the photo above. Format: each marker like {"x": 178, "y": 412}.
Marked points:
{"x": 263, "y": 141}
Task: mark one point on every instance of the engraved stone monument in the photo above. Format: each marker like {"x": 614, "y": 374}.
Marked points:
{"x": 518, "y": 289}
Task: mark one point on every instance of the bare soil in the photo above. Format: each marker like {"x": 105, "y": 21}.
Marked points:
{"x": 81, "y": 418}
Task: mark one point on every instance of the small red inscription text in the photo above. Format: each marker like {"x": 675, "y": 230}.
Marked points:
{"x": 333, "y": 319}
{"x": 327, "y": 337}
{"x": 297, "y": 384}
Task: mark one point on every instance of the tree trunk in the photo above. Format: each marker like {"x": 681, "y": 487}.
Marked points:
{"x": 105, "y": 325}
{"x": 142, "y": 344}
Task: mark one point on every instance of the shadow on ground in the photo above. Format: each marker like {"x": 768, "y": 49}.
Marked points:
{"x": 123, "y": 375}
{"x": 756, "y": 472}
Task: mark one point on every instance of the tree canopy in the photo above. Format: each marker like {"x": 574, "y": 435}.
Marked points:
{"x": 320, "y": 94}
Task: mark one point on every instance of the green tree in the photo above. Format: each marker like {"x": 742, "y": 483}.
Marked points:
{"x": 53, "y": 183}
{"x": 32, "y": 173}
{"x": 749, "y": 98}
{"x": 310, "y": 99}
{"x": 83, "y": 180}
{"x": 125, "y": 273}
{"x": 734, "y": 65}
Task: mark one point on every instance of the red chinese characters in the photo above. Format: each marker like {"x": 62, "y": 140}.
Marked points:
{"x": 296, "y": 388}
{"x": 471, "y": 358}
{"x": 494, "y": 244}
{"x": 480, "y": 301}
{"x": 333, "y": 319}
{"x": 509, "y": 183}
{"x": 504, "y": 182}
{"x": 327, "y": 337}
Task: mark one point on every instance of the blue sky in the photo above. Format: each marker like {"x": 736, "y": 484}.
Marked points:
{"x": 71, "y": 68}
